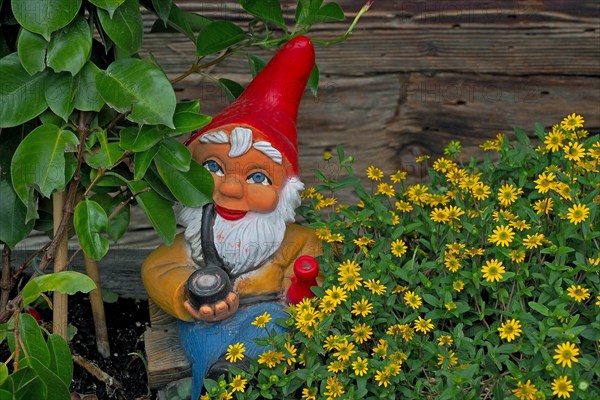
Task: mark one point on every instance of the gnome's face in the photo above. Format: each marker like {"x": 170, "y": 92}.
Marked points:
{"x": 245, "y": 178}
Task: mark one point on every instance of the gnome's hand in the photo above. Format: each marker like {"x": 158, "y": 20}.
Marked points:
{"x": 215, "y": 312}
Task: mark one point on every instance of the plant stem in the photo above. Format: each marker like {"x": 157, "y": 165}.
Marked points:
{"x": 60, "y": 310}
{"x": 7, "y": 281}
{"x": 102, "y": 342}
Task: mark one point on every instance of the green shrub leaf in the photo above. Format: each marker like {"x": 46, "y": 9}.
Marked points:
{"x": 140, "y": 138}
{"x": 3, "y": 372}
{"x": 256, "y": 64}
{"x": 61, "y": 362}
{"x": 187, "y": 121}
{"x": 21, "y": 95}
{"x": 267, "y": 10}
{"x": 12, "y": 214}
{"x": 118, "y": 225}
{"x": 24, "y": 384}
{"x": 232, "y": 89}
{"x": 157, "y": 209}
{"x": 68, "y": 282}
{"x": 313, "y": 81}
{"x": 87, "y": 97}
{"x": 108, "y": 5}
{"x": 32, "y": 51}
{"x": 217, "y": 36}
{"x": 70, "y": 48}
{"x": 134, "y": 85}
{"x": 163, "y": 9}
{"x": 175, "y": 154}
{"x": 31, "y": 336}
{"x": 91, "y": 222}
{"x": 60, "y": 94}
{"x": 45, "y": 17}
{"x": 192, "y": 188}
{"x": 39, "y": 161}
{"x": 125, "y": 28}
{"x": 141, "y": 162}
{"x": 57, "y": 389}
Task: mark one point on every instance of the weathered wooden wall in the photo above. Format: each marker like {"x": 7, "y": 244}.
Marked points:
{"x": 417, "y": 74}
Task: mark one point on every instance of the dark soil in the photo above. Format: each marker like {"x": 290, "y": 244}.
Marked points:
{"x": 127, "y": 320}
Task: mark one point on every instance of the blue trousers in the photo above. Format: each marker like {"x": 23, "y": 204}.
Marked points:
{"x": 206, "y": 342}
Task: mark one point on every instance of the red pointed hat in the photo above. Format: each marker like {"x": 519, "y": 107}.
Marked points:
{"x": 269, "y": 105}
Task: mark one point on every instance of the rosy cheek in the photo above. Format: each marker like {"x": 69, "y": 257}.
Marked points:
{"x": 262, "y": 199}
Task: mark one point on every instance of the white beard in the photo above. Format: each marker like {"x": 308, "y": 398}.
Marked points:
{"x": 249, "y": 241}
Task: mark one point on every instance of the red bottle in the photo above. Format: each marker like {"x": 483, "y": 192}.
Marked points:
{"x": 306, "y": 270}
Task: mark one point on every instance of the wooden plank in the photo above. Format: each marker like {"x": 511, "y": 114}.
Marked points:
{"x": 166, "y": 360}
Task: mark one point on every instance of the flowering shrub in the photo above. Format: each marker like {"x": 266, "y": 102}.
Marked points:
{"x": 482, "y": 283}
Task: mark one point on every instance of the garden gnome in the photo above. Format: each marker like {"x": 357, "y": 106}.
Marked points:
{"x": 235, "y": 259}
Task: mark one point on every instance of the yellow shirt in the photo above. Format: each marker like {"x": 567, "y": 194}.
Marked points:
{"x": 166, "y": 270}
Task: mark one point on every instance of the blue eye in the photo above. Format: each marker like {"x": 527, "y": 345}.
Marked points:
{"x": 258, "y": 177}
{"x": 213, "y": 167}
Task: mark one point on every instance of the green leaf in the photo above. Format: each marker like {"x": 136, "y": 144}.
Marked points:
{"x": 310, "y": 12}
{"x": 3, "y": 372}
{"x": 157, "y": 209}
{"x": 90, "y": 222}
{"x": 57, "y": 389}
{"x": 108, "y": 5}
{"x": 158, "y": 185}
{"x": 140, "y": 138}
{"x": 87, "y": 97}
{"x": 45, "y": 16}
{"x": 118, "y": 225}
{"x": 163, "y": 9}
{"x": 256, "y": 64}
{"x": 521, "y": 136}
{"x": 70, "y": 48}
{"x": 141, "y": 162}
{"x": 24, "y": 384}
{"x": 133, "y": 84}
{"x": 21, "y": 95}
{"x": 182, "y": 22}
{"x": 12, "y": 214}
{"x": 61, "y": 362}
{"x": 188, "y": 106}
{"x": 39, "y": 161}
{"x": 330, "y": 12}
{"x": 313, "y": 81}
{"x": 267, "y": 10}
{"x": 175, "y": 154}
{"x": 32, "y": 51}
{"x": 32, "y": 339}
{"x": 60, "y": 94}
{"x": 217, "y": 36}
{"x": 232, "y": 89}
{"x": 67, "y": 282}
{"x": 187, "y": 121}
{"x": 112, "y": 150}
{"x": 192, "y": 188}
{"x": 542, "y": 309}
{"x": 125, "y": 28}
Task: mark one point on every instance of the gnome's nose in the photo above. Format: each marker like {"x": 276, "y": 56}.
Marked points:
{"x": 231, "y": 187}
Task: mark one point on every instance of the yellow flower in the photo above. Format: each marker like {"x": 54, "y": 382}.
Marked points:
{"x": 337, "y": 366}
{"x": 508, "y": 194}
{"x": 517, "y": 256}
{"x": 334, "y": 387}
{"x": 327, "y": 156}
{"x": 330, "y": 342}
{"x": 439, "y": 215}
{"x": 360, "y": 366}
{"x": 350, "y": 280}
{"x": 502, "y": 235}
{"x": 381, "y": 348}
{"x": 403, "y": 206}
{"x": 554, "y": 139}
{"x": 451, "y": 359}
{"x": 520, "y": 225}
{"x": 292, "y": 350}
{"x": 374, "y": 173}
{"x": 407, "y": 332}
{"x": 235, "y": 352}
{"x": 345, "y": 350}
{"x": 443, "y": 165}
{"x": 458, "y": 285}
{"x": 565, "y": 354}
{"x": 336, "y": 294}
{"x": 238, "y": 384}
{"x": 395, "y": 218}
{"x": 450, "y": 306}
{"x": 375, "y": 286}
{"x": 578, "y": 213}
{"x": 361, "y": 333}
{"x": 422, "y": 158}
{"x": 398, "y": 247}
{"x": 398, "y": 176}
{"x": 510, "y": 330}
{"x": 452, "y": 263}
{"x": 533, "y": 241}
{"x": 543, "y": 206}
{"x": 392, "y": 369}
{"x": 578, "y": 293}
{"x": 262, "y": 320}
{"x": 423, "y": 325}
{"x": 574, "y": 151}
{"x": 493, "y": 270}
{"x": 525, "y": 391}
{"x": 445, "y": 340}
{"x": 481, "y": 191}
{"x": 571, "y": 122}
{"x": 598, "y": 300}
{"x": 382, "y": 378}
{"x": 385, "y": 189}
{"x": 562, "y": 387}
{"x": 271, "y": 358}
{"x": 412, "y": 300}
{"x": 363, "y": 241}
{"x": 362, "y": 308}
{"x": 323, "y": 233}
{"x": 309, "y": 394}
{"x": 325, "y": 202}
{"x": 453, "y": 212}
{"x": 417, "y": 193}
{"x": 544, "y": 182}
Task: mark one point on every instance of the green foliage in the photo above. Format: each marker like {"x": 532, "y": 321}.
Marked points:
{"x": 69, "y": 282}
{"x": 423, "y": 298}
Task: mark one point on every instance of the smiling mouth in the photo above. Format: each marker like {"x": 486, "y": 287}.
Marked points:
{"x": 231, "y": 215}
